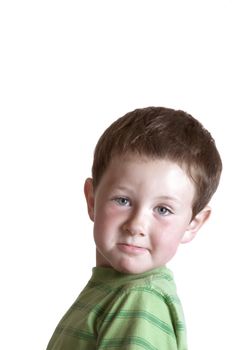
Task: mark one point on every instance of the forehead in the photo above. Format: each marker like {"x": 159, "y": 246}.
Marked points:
{"x": 156, "y": 175}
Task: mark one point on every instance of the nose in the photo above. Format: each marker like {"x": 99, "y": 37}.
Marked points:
{"x": 136, "y": 225}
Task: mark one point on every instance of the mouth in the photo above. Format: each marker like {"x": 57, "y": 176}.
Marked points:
{"x": 131, "y": 248}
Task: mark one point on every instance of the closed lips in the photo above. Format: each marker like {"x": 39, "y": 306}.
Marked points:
{"x": 131, "y": 248}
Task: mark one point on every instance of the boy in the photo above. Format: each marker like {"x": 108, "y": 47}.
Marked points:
{"x": 153, "y": 174}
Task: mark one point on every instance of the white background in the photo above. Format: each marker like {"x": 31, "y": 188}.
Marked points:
{"x": 67, "y": 70}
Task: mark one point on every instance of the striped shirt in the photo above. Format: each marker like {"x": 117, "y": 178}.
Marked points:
{"x": 126, "y": 312}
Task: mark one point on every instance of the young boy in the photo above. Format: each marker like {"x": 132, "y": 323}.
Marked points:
{"x": 153, "y": 174}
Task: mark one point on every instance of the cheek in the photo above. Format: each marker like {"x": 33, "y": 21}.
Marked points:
{"x": 104, "y": 221}
{"x": 168, "y": 243}
{"x": 108, "y": 215}
{"x": 167, "y": 238}
{"x": 166, "y": 247}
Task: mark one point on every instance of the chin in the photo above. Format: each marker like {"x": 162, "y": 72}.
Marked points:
{"x": 130, "y": 269}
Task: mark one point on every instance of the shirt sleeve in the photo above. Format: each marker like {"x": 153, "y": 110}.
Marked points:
{"x": 138, "y": 319}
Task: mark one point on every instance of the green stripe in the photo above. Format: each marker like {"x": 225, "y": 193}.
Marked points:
{"x": 105, "y": 343}
{"x": 125, "y": 314}
{"x": 98, "y": 310}
{"x": 102, "y": 287}
{"x": 72, "y": 332}
{"x": 119, "y": 342}
{"x": 168, "y": 298}
{"x": 180, "y": 326}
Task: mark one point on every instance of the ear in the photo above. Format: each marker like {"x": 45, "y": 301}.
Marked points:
{"x": 196, "y": 224}
{"x": 89, "y": 196}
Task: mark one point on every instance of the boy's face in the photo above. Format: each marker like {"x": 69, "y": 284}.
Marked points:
{"x": 142, "y": 210}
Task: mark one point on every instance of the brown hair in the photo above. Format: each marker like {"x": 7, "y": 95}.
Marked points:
{"x": 158, "y": 132}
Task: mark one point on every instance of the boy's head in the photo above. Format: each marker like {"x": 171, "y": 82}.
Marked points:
{"x": 163, "y": 133}
{"x": 154, "y": 172}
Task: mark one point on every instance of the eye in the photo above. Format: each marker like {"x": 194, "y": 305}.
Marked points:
{"x": 163, "y": 211}
{"x": 124, "y": 202}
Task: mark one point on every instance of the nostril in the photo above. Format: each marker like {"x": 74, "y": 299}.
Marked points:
{"x": 133, "y": 231}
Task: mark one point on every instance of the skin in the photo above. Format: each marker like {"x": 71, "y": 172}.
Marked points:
{"x": 142, "y": 211}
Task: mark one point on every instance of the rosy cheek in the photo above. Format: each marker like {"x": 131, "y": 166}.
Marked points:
{"x": 166, "y": 239}
{"x": 105, "y": 216}
{"x": 114, "y": 212}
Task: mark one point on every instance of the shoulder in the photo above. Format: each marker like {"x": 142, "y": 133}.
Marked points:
{"x": 153, "y": 293}
{"x": 148, "y": 295}
{"x": 146, "y": 308}
{"x": 155, "y": 297}
{"x": 157, "y": 285}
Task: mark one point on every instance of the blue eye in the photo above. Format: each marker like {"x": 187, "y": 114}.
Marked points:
{"x": 163, "y": 211}
{"x": 122, "y": 201}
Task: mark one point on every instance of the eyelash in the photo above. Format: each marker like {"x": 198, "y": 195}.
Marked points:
{"x": 125, "y": 202}
{"x": 167, "y": 211}
{"x": 119, "y": 200}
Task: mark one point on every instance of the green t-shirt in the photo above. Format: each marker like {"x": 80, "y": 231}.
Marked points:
{"x": 126, "y": 312}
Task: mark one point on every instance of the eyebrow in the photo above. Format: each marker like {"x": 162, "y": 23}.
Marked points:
{"x": 162, "y": 197}
{"x": 169, "y": 198}
{"x": 122, "y": 188}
